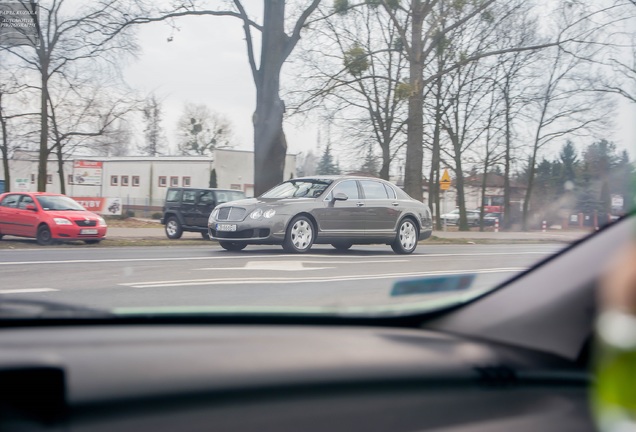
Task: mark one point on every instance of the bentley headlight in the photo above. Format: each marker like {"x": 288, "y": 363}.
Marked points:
{"x": 269, "y": 213}
{"x": 214, "y": 214}
{"x": 257, "y": 214}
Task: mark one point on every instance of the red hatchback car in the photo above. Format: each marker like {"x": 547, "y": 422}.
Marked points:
{"x": 48, "y": 218}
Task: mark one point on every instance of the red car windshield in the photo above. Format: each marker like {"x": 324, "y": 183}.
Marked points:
{"x": 58, "y": 203}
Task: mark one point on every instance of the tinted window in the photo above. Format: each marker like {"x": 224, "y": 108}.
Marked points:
{"x": 206, "y": 197}
{"x": 373, "y": 190}
{"x": 173, "y": 195}
{"x": 188, "y": 197}
{"x": 10, "y": 201}
{"x": 348, "y": 187}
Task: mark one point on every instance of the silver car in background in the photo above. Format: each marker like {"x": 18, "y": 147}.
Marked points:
{"x": 337, "y": 210}
{"x": 452, "y": 218}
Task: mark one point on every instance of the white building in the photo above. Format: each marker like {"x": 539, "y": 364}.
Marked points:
{"x": 140, "y": 182}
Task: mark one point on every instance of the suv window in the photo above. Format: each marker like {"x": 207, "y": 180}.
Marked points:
{"x": 206, "y": 197}
{"x": 173, "y": 195}
{"x": 189, "y": 196}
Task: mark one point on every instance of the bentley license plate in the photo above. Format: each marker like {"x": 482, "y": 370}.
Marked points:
{"x": 88, "y": 231}
{"x": 225, "y": 227}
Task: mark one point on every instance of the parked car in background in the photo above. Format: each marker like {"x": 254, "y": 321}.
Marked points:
{"x": 491, "y": 218}
{"x": 188, "y": 209}
{"x": 337, "y": 210}
{"x": 48, "y": 218}
{"x": 452, "y": 218}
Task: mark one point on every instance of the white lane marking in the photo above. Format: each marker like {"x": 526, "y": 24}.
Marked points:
{"x": 278, "y": 265}
{"x": 287, "y": 280}
{"x": 238, "y": 256}
{"x": 27, "y": 290}
{"x": 294, "y": 265}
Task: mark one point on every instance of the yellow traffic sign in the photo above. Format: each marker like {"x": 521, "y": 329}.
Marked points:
{"x": 445, "y": 181}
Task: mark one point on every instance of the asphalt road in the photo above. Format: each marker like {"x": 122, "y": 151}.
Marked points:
{"x": 258, "y": 276}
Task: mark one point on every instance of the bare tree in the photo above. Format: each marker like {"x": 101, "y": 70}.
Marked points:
{"x": 277, "y": 42}
{"x": 79, "y": 114}
{"x": 200, "y": 131}
{"x": 69, "y": 37}
{"x": 154, "y": 138}
{"x": 429, "y": 23}
{"x": 565, "y": 106}
{"x": 12, "y": 132}
{"x": 360, "y": 81}
{"x": 116, "y": 140}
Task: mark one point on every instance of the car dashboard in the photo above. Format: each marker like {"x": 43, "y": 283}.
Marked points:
{"x": 196, "y": 377}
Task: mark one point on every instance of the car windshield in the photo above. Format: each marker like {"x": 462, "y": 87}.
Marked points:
{"x": 313, "y": 156}
{"x": 298, "y": 189}
{"x": 58, "y": 203}
{"x": 226, "y": 196}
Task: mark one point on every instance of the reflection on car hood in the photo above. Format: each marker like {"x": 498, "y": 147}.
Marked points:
{"x": 255, "y": 202}
{"x": 72, "y": 214}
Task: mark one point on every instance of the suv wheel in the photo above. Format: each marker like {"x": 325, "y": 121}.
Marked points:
{"x": 173, "y": 228}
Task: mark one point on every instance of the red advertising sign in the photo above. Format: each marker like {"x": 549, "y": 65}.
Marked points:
{"x": 87, "y": 173}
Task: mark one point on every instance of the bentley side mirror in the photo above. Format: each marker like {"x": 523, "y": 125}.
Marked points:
{"x": 340, "y": 197}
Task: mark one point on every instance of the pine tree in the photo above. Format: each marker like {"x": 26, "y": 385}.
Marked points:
{"x": 327, "y": 166}
{"x": 370, "y": 165}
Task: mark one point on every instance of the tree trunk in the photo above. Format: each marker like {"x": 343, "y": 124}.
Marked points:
{"x": 507, "y": 210}
{"x": 270, "y": 145}
{"x": 434, "y": 177}
{"x": 386, "y": 156}
{"x": 5, "y": 150}
{"x": 44, "y": 130}
{"x": 60, "y": 168}
{"x": 484, "y": 185}
{"x": 415, "y": 132}
{"x": 461, "y": 199}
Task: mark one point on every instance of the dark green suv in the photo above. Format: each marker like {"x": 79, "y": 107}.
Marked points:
{"x": 188, "y": 209}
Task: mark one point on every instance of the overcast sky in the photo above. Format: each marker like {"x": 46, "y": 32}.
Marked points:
{"x": 206, "y": 63}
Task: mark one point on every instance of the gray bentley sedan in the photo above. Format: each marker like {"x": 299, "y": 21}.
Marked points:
{"x": 337, "y": 210}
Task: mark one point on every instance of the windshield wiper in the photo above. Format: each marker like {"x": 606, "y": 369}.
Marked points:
{"x": 29, "y": 309}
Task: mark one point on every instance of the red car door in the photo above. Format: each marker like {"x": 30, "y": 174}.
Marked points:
{"x": 26, "y": 219}
{"x": 8, "y": 217}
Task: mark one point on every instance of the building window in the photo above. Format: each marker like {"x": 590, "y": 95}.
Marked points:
{"x": 124, "y": 180}
{"x": 114, "y": 180}
{"x": 186, "y": 181}
{"x": 135, "y": 181}
{"x": 174, "y": 181}
{"x": 32, "y": 178}
{"x": 69, "y": 179}
{"x": 163, "y": 182}
{"x": 49, "y": 179}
